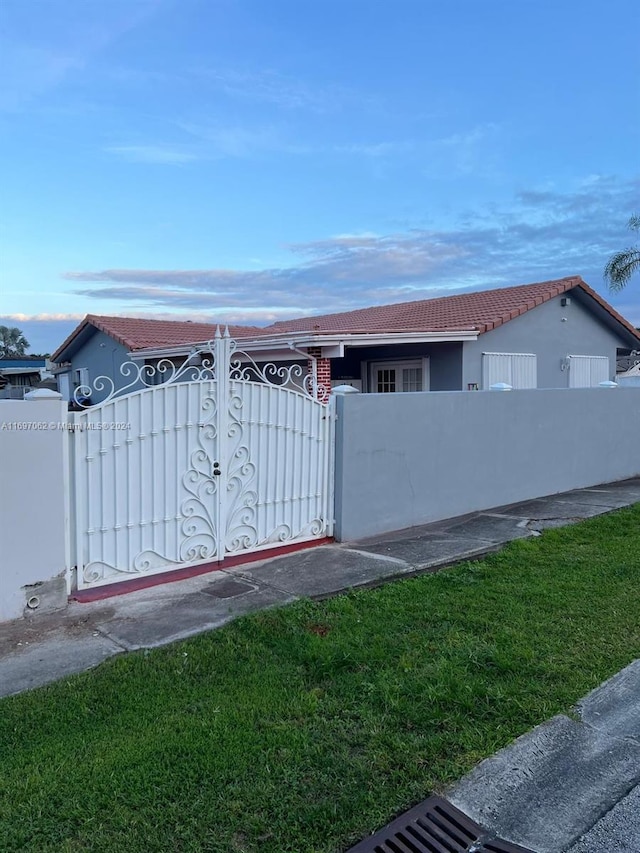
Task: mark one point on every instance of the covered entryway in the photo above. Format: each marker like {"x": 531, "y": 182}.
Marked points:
{"x": 224, "y": 457}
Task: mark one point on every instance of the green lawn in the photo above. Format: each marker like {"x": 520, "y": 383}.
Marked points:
{"x": 302, "y": 729}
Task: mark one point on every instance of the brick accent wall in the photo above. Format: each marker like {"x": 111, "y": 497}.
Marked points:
{"x": 323, "y": 368}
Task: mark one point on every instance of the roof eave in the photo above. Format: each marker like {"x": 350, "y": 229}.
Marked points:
{"x": 67, "y": 347}
{"x": 294, "y": 340}
{"x": 631, "y": 332}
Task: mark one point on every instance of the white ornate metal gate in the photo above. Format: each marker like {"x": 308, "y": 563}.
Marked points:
{"x": 223, "y": 457}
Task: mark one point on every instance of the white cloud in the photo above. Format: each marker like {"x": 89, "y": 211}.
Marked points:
{"x": 375, "y": 149}
{"x": 543, "y": 234}
{"x": 38, "y": 318}
{"x": 219, "y": 141}
{"x": 280, "y": 90}
{"x": 154, "y": 154}
{"x": 30, "y": 71}
{"x": 34, "y": 65}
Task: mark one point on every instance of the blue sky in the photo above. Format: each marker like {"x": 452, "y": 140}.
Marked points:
{"x": 252, "y": 160}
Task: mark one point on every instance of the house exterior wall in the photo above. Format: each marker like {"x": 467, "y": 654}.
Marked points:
{"x": 543, "y": 332}
{"x": 445, "y": 362}
{"x": 408, "y": 459}
{"x": 33, "y": 506}
{"x": 102, "y": 356}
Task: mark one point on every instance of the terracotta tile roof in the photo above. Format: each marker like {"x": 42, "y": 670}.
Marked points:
{"x": 482, "y": 311}
{"x": 139, "y": 333}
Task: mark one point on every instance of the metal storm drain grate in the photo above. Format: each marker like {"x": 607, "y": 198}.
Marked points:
{"x": 435, "y": 826}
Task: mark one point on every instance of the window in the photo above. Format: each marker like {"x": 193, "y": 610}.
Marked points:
{"x": 81, "y": 376}
{"x": 412, "y": 379}
{"x": 587, "y": 371}
{"x": 23, "y": 381}
{"x": 518, "y": 369}
{"x": 392, "y": 377}
{"x": 386, "y": 380}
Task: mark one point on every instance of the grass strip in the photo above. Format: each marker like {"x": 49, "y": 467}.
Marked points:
{"x": 303, "y": 729}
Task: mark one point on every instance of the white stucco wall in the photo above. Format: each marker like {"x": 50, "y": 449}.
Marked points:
{"x": 409, "y": 459}
{"x": 33, "y": 476}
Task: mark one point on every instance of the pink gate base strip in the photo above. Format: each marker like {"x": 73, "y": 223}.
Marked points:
{"x": 123, "y": 587}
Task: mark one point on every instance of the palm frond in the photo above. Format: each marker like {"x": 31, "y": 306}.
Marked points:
{"x": 620, "y": 267}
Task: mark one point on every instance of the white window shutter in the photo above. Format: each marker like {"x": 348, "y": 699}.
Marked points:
{"x": 599, "y": 369}
{"x": 518, "y": 369}
{"x": 524, "y": 370}
{"x": 588, "y": 371}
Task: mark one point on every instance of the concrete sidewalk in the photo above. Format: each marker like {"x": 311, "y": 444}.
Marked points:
{"x": 593, "y": 764}
{"x": 569, "y": 784}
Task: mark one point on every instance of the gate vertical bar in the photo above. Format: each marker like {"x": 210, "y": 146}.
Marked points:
{"x": 67, "y": 473}
{"x": 80, "y": 492}
{"x": 329, "y": 464}
{"x": 222, "y": 362}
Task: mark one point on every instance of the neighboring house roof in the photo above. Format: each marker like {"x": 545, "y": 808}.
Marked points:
{"x": 482, "y": 311}
{"x": 20, "y": 371}
{"x": 22, "y": 361}
{"x": 12, "y": 369}
{"x": 19, "y": 375}
{"x": 139, "y": 333}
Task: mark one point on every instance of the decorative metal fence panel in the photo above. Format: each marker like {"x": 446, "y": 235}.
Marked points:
{"x": 224, "y": 457}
